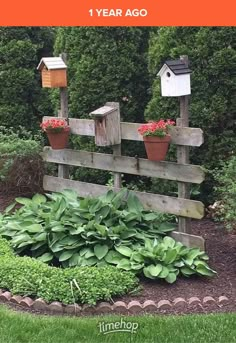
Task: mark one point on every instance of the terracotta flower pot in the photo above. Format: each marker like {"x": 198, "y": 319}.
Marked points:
{"x": 58, "y": 140}
{"x": 156, "y": 147}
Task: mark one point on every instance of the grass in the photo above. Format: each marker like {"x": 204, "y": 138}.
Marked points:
{"x": 18, "y": 327}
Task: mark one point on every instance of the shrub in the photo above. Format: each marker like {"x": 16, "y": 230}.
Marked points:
{"x": 28, "y": 276}
{"x": 21, "y": 167}
{"x": 6, "y": 248}
{"x": 225, "y": 191}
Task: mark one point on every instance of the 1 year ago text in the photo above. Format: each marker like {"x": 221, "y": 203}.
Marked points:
{"x": 118, "y": 12}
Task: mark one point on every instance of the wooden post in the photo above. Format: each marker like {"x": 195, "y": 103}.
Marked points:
{"x": 183, "y": 156}
{"x": 116, "y": 148}
{"x": 63, "y": 170}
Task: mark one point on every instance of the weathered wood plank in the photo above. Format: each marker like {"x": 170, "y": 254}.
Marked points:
{"x": 155, "y": 202}
{"x": 179, "y": 135}
{"x": 191, "y": 241}
{"x": 125, "y": 164}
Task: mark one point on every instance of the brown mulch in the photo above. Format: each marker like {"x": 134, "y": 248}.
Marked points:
{"x": 221, "y": 249}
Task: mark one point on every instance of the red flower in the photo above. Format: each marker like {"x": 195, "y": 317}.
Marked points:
{"x": 159, "y": 128}
{"x": 55, "y": 125}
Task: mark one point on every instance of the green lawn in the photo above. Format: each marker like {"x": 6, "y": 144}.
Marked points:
{"x": 25, "y": 328}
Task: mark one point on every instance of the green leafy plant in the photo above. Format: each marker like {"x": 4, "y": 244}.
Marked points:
{"x": 113, "y": 229}
{"x": 28, "y": 276}
{"x": 163, "y": 259}
{"x": 69, "y": 230}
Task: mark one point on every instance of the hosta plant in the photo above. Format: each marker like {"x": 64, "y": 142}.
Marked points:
{"x": 114, "y": 229}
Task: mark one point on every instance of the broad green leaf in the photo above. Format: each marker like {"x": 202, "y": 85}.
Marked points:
{"x": 155, "y": 270}
{"x": 203, "y": 270}
{"x": 164, "y": 273}
{"x": 24, "y": 201}
{"x": 47, "y": 257}
{"x": 65, "y": 255}
{"x": 170, "y": 256}
{"x": 100, "y": 250}
{"x": 169, "y": 242}
{"x": 166, "y": 227}
{"x": 136, "y": 266}
{"x": 171, "y": 278}
{"x": 37, "y": 245}
{"x": 146, "y": 272}
{"x": 119, "y": 198}
{"x": 124, "y": 264}
{"x": 58, "y": 228}
{"x": 90, "y": 261}
{"x": 128, "y": 234}
{"x": 10, "y": 207}
{"x": 39, "y": 199}
{"x": 113, "y": 257}
{"x": 134, "y": 204}
{"x": 137, "y": 257}
{"x": 34, "y": 228}
{"x": 123, "y": 250}
{"x": 89, "y": 253}
{"x": 187, "y": 271}
{"x": 102, "y": 229}
{"x": 150, "y": 216}
{"x": 75, "y": 260}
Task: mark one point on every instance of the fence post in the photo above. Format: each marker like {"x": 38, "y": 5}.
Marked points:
{"x": 183, "y": 156}
{"x": 116, "y": 148}
{"x": 63, "y": 170}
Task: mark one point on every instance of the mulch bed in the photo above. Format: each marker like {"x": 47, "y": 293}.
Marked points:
{"x": 221, "y": 248}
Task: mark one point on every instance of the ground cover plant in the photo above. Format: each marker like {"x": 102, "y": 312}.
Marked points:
{"x": 28, "y": 276}
{"x": 25, "y": 328}
{"x": 114, "y": 229}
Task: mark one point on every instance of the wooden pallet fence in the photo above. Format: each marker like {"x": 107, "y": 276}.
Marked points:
{"x": 181, "y": 172}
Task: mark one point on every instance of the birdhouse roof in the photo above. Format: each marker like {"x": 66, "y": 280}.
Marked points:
{"x": 102, "y": 111}
{"x": 52, "y": 63}
{"x": 178, "y": 67}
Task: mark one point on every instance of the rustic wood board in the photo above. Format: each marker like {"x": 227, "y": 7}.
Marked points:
{"x": 179, "y": 135}
{"x": 191, "y": 241}
{"x": 155, "y": 202}
{"x": 125, "y": 164}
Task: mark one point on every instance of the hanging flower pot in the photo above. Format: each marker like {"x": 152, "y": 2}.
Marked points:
{"x": 58, "y": 140}
{"x": 57, "y": 131}
{"x": 156, "y": 147}
{"x": 156, "y": 138}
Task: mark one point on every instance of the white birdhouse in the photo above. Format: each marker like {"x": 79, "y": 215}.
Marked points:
{"x": 175, "y": 78}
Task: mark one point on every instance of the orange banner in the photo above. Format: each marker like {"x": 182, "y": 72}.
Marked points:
{"x": 118, "y": 13}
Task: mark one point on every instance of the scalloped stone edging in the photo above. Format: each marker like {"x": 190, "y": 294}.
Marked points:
{"x": 120, "y": 307}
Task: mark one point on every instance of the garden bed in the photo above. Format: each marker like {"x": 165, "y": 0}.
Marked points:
{"x": 220, "y": 246}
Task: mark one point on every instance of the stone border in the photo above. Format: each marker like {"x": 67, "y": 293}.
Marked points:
{"x": 119, "y": 307}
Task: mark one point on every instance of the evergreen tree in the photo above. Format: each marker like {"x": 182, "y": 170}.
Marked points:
{"x": 212, "y": 56}
{"x": 22, "y": 100}
{"x": 106, "y": 64}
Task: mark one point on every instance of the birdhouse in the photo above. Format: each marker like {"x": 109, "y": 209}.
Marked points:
{"x": 175, "y": 78}
{"x": 53, "y": 72}
{"x": 107, "y": 125}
